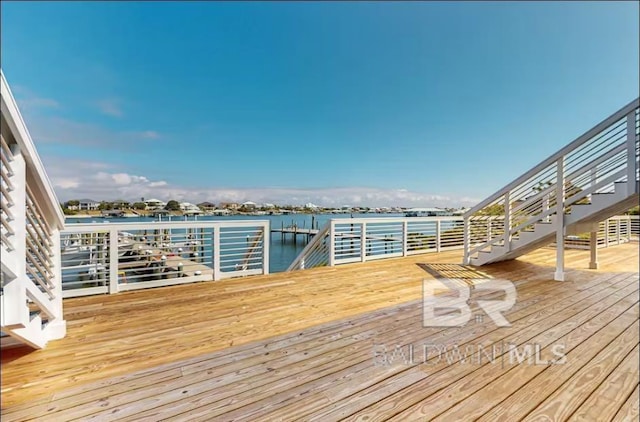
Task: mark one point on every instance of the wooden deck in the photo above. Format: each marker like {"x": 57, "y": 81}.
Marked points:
{"x": 309, "y": 345}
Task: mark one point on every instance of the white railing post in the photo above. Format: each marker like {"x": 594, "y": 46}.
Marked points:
{"x": 113, "y": 261}
{"x": 266, "y": 233}
{"x": 559, "y": 274}
{"x": 465, "y": 241}
{"x": 216, "y": 253}
{"x": 593, "y": 246}
{"x": 405, "y": 236}
{"x": 618, "y": 236}
{"x": 489, "y": 227}
{"x": 606, "y": 233}
{"x": 332, "y": 231}
{"x": 507, "y": 221}
{"x": 631, "y": 153}
{"x": 363, "y": 242}
{"x": 438, "y": 235}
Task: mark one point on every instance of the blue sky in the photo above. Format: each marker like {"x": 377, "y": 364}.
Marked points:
{"x": 360, "y": 103}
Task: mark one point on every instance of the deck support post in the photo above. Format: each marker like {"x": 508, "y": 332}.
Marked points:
{"x": 559, "y": 274}
{"x": 465, "y": 240}
{"x": 593, "y": 247}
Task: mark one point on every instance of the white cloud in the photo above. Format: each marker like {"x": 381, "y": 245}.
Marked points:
{"x": 74, "y": 179}
{"x": 110, "y": 107}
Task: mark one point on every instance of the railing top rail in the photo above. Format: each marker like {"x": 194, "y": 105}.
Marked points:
{"x": 395, "y": 219}
{"x": 23, "y": 138}
{"x": 561, "y": 153}
{"x": 150, "y": 225}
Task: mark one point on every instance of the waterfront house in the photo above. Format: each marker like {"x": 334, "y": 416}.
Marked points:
{"x": 248, "y": 206}
{"x": 207, "y": 206}
{"x": 233, "y": 206}
{"x": 188, "y": 208}
{"x": 85, "y": 205}
{"x": 155, "y": 204}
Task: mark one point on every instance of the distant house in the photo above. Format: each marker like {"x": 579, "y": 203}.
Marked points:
{"x": 86, "y": 205}
{"x": 229, "y": 205}
{"x": 155, "y": 204}
{"x": 207, "y": 206}
{"x": 249, "y": 205}
{"x": 120, "y": 204}
{"x": 189, "y": 208}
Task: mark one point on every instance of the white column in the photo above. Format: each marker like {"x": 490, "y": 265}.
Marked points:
{"x": 593, "y": 246}
{"x": 216, "y": 253}
{"x": 265, "y": 249}
{"x": 466, "y": 243}
{"x": 438, "y": 235}
{"x": 559, "y": 275}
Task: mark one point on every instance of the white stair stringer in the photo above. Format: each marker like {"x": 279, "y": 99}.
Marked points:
{"x": 602, "y": 207}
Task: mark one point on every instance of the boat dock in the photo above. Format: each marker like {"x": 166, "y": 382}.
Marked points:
{"x": 294, "y": 230}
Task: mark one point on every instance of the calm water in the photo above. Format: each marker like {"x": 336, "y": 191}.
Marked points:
{"x": 281, "y": 255}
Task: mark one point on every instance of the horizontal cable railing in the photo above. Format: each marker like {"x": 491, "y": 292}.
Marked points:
{"x": 343, "y": 241}
{"x": 592, "y": 164}
{"x": 107, "y": 258}
{"x": 40, "y": 260}
{"x": 613, "y": 231}
{"x": 6, "y": 201}
{"x": 347, "y": 240}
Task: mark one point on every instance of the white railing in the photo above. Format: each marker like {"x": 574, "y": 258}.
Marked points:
{"x": 347, "y": 240}
{"x": 30, "y": 223}
{"x": 114, "y": 257}
{"x": 613, "y": 231}
{"x": 635, "y": 227}
{"x": 591, "y": 164}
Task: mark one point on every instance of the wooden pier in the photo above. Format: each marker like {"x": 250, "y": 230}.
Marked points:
{"x": 295, "y": 230}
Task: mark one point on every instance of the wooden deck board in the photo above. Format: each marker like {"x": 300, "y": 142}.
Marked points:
{"x": 299, "y": 345}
